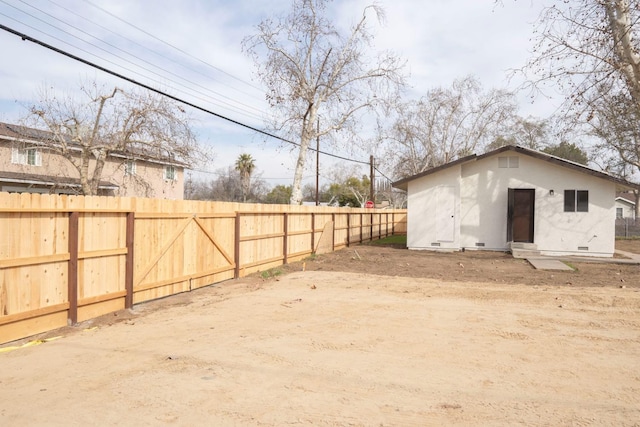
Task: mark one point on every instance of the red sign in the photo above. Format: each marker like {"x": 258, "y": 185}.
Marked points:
{"x": 369, "y": 204}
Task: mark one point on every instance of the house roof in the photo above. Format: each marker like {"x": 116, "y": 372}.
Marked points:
{"x": 42, "y": 137}
{"x": 403, "y": 183}
{"x": 49, "y": 181}
{"x": 626, "y": 198}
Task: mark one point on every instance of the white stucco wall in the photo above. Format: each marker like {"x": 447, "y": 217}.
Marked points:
{"x": 481, "y": 215}
{"x": 422, "y": 214}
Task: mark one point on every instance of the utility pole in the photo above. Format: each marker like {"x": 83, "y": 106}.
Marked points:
{"x": 318, "y": 164}
{"x": 372, "y": 177}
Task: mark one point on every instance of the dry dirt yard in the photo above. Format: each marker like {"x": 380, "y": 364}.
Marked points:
{"x": 355, "y": 339}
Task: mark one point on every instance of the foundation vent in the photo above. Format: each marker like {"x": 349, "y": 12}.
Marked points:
{"x": 435, "y": 244}
{"x": 480, "y": 244}
{"x": 583, "y": 248}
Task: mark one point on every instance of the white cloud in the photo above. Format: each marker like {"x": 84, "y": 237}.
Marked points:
{"x": 441, "y": 40}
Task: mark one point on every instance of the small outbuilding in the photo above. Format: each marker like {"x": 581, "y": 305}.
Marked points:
{"x": 513, "y": 197}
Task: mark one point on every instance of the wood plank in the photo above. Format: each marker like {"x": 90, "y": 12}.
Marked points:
{"x": 72, "y": 274}
{"x": 10, "y": 318}
{"x": 262, "y": 262}
{"x": 102, "y": 253}
{"x": 91, "y": 311}
{"x": 162, "y": 215}
{"x": 298, "y": 254}
{"x": 300, "y": 232}
{"x": 213, "y": 240}
{"x": 31, "y": 326}
{"x": 101, "y": 298}
{"x": 184, "y": 278}
{"x": 163, "y": 250}
{"x": 261, "y": 237}
{"x": 34, "y": 260}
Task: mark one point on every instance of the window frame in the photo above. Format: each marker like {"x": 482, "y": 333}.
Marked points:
{"x": 130, "y": 167}
{"x": 27, "y": 156}
{"x": 170, "y": 176}
{"x": 576, "y": 200}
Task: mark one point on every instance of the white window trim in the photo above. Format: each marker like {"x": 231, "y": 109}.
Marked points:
{"x": 20, "y": 156}
{"x": 130, "y": 167}
{"x": 166, "y": 173}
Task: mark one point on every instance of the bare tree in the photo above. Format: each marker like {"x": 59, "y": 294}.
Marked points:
{"x": 584, "y": 45}
{"x": 615, "y": 121}
{"x": 527, "y": 132}
{"x": 86, "y": 132}
{"x": 591, "y": 50}
{"x": 228, "y": 187}
{"x": 447, "y": 123}
{"x": 311, "y": 70}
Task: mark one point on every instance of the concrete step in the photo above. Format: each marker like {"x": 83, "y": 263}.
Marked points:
{"x": 523, "y": 245}
{"x": 524, "y": 253}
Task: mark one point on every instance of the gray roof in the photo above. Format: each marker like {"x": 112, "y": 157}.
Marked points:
{"x": 49, "y": 181}
{"x": 403, "y": 183}
{"x": 42, "y": 136}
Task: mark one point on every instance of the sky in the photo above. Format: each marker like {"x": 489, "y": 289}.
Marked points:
{"x": 192, "y": 49}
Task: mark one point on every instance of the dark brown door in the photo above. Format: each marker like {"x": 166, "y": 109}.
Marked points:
{"x": 520, "y": 215}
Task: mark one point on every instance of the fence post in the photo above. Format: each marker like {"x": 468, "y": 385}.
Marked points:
{"x": 371, "y": 227}
{"x": 348, "y": 228}
{"x": 236, "y": 247}
{"x": 285, "y": 227}
{"x": 128, "y": 269}
{"x": 72, "y": 274}
{"x": 313, "y": 232}
{"x": 393, "y": 223}
{"x": 361, "y": 227}
{"x": 386, "y": 224}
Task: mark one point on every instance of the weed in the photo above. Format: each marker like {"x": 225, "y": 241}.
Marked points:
{"x": 273, "y": 272}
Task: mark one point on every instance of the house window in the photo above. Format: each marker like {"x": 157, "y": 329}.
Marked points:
{"x": 130, "y": 167}
{"x": 619, "y": 213}
{"x": 509, "y": 162}
{"x": 170, "y": 173}
{"x": 576, "y": 201}
{"x": 26, "y": 156}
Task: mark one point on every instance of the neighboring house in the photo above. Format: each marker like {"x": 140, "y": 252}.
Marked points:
{"x": 26, "y": 165}
{"x": 625, "y": 206}
{"x": 513, "y": 194}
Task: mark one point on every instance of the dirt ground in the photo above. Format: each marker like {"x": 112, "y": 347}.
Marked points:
{"x": 478, "y": 266}
{"x": 372, "y": 336}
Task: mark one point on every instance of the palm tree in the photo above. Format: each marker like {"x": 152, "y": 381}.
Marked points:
{"x": 245, "y": 165}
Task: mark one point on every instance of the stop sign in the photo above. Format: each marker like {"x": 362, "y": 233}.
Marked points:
{"x": 369, "y": 204}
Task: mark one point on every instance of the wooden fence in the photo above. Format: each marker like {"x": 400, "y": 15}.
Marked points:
{"x": 65, "y": 259}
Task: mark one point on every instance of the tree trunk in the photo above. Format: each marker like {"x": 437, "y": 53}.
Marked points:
{"x": 84, "y": 174}
{"x": 97, "y": 173}
{"x": 307, "y": 134}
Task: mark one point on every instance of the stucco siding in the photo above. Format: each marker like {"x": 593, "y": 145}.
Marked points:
{"x": 480, "y": 212}
{"x": 483, "y": 193}
{"x": 423, "y": 210}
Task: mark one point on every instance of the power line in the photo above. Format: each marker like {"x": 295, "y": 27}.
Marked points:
{"x": 158, "y": 54}
{"x": 194, "y": 93}
{"x": 26, "y": 37}
{"x": 172, "y": 46}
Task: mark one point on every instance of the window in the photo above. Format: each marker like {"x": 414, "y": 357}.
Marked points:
{"x": 619, "y": 213}
{"x": 170, "y": 173}
{"x": 576, "y": 201}
{"x": 26, "y": 156}
{"x": 508, "y": 162}
{"x": 130, "y": 167}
